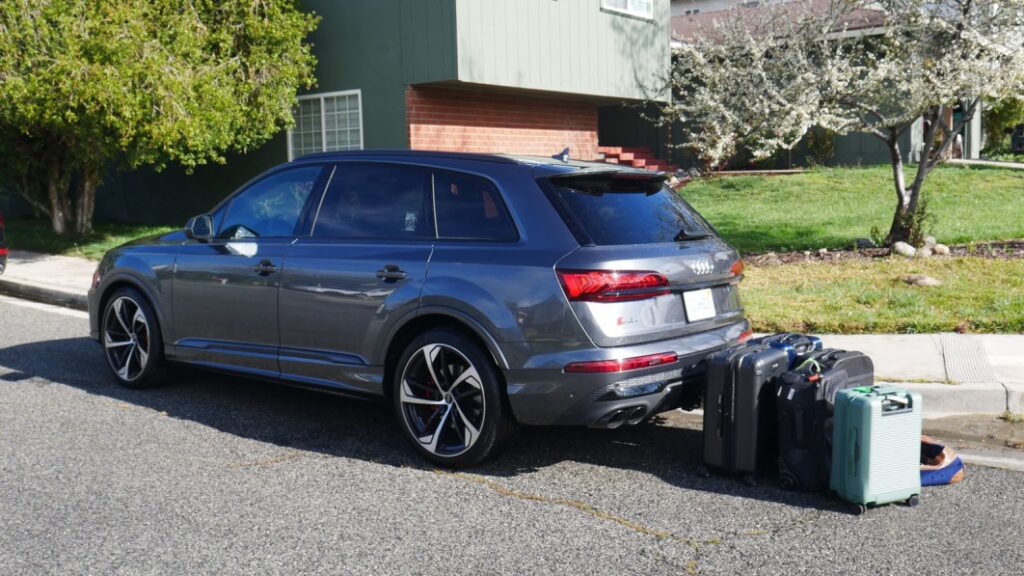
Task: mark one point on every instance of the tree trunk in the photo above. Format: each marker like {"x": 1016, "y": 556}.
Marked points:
{"x": 89, "y": 181}
{"x": 56, "y": 193}
{"x": 899, "y": 231}
{"x": 906, "y": 218}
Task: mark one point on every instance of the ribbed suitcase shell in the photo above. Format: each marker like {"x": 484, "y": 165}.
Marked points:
{"x": 739, "y": 407}
{"x": 876, "y": 451}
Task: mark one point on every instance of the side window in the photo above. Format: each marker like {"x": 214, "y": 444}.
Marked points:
{"x": 470, "y": 207}
{"x": 270, "y": 207}
{"x": 376, "y": 201}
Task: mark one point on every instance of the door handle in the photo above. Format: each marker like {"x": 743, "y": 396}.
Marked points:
{"x": 264, "y": 268}
{"x": 391, "y": 272}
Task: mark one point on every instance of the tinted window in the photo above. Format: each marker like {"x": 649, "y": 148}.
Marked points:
{"x": 376, "y": 201}
{"x": 612, "y": 215}
{"x": 270, "y": 207}
{"x": 469, "y": 207}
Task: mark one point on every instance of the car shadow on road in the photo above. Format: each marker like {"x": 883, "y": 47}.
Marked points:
{"x": 669, "y": 449}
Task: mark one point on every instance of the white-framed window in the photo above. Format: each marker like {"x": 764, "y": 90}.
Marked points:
{"x": 327, "y": 122}
{"x": 639, "y": 8}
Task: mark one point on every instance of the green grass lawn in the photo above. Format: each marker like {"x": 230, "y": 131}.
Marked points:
{"x": 831, "y": 207}
{"x": 867, "y": 296}
{"x": 37, "y": 236}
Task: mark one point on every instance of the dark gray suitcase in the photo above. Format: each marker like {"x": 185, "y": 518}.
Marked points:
{"x": 739, "y": 408}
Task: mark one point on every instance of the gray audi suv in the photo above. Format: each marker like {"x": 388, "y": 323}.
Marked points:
{"x": 475, "y": 293}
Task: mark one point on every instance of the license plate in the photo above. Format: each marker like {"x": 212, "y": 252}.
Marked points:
{"x": 700, "y": 305}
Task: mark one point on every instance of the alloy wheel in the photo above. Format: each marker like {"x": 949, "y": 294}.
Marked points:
{"x": 126, "y": 338}
{"x": 442, "y": 400}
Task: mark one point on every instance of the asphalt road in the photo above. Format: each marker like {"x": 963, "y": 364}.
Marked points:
{"x": 217, "y": 475}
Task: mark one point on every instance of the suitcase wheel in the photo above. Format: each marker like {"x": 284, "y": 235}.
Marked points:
{"x": 913, "y": 501}
{"x": 860, "y": 509}
{"x": 787, "y": 481}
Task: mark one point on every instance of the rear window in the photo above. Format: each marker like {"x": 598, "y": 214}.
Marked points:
{"x": 609, "y": 212}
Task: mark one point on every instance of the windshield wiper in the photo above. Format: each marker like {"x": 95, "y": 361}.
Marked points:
{"x": 685, "y": 235}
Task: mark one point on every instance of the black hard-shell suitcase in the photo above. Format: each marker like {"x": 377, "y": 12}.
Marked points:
{"x": 804, "y": 405}
{"x": 739, "y": 408}
{"x": 859, "y": 369}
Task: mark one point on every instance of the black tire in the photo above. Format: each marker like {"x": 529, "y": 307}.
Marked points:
{"x": 439, "y": 419}
{"x": 134, "y": 349}
{"x": 913, "y": 501}
{"x": 787, "y": 481}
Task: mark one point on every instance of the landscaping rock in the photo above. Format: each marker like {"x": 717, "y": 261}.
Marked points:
{"x": 904, "y": 249}
{"x": 923, "y": 252}
{"x": 822, "y": 252}
{"x": 941, "y": 250}
{"x": 922, "y": 280}
{"x": 929, "y": 241}
{"x": 864, "y": 243}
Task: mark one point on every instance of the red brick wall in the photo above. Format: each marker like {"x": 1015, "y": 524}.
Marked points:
{"x": 465, "y": 121}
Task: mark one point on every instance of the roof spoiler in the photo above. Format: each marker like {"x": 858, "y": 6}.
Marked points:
{"x": 598, "y": 181}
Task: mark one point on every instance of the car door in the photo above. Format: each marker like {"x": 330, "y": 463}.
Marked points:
{"x": 225, "y": 291}
{"x": 360, "y": 266}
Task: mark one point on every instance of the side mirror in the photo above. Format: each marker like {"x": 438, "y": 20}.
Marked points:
{"x": 199, "y": 228}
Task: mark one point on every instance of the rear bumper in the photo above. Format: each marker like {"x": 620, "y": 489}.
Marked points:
{"x": 549, "y": 396}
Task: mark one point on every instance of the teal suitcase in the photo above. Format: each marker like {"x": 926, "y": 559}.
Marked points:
{"x": 876, "y": 447}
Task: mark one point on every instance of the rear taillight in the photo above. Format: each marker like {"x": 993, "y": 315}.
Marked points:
{"x": 635, "y": 363}
{"x": 612, "y": 285}
{"x": 737, "y": 268}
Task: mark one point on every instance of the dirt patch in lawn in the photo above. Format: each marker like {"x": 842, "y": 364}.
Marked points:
{"x": 999, "y": 249}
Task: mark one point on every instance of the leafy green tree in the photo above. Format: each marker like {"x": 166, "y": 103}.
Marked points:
{"x": 998, "y": 117}
{"x": 88, "y": 86}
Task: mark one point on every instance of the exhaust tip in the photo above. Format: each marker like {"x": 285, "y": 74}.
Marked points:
{"x": 616, "y": 419}
{"x": 636, "y": 416}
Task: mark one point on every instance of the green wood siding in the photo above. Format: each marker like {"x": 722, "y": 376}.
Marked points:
{"x": 428, "y": 41}
{"x": 566, "y": 46}
{"x": 358, "y": 46}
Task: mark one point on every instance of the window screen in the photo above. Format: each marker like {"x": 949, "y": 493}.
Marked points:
{"x": 326, "y": 123}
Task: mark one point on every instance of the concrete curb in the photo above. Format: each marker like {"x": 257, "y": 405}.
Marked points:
{"x": 955, "y": 399}
{"x": 44, "y": 295}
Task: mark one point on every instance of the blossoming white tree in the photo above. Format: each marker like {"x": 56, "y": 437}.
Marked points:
{"x": 761, "y": 78}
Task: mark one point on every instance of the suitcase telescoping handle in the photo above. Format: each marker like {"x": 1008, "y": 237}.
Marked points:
{"x": 894, "y": 400}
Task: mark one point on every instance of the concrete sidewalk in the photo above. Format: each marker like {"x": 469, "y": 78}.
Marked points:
{"x": 955, "y": 373}
{"x": 61, "y": 280}
{"x": 989, "y": 163}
